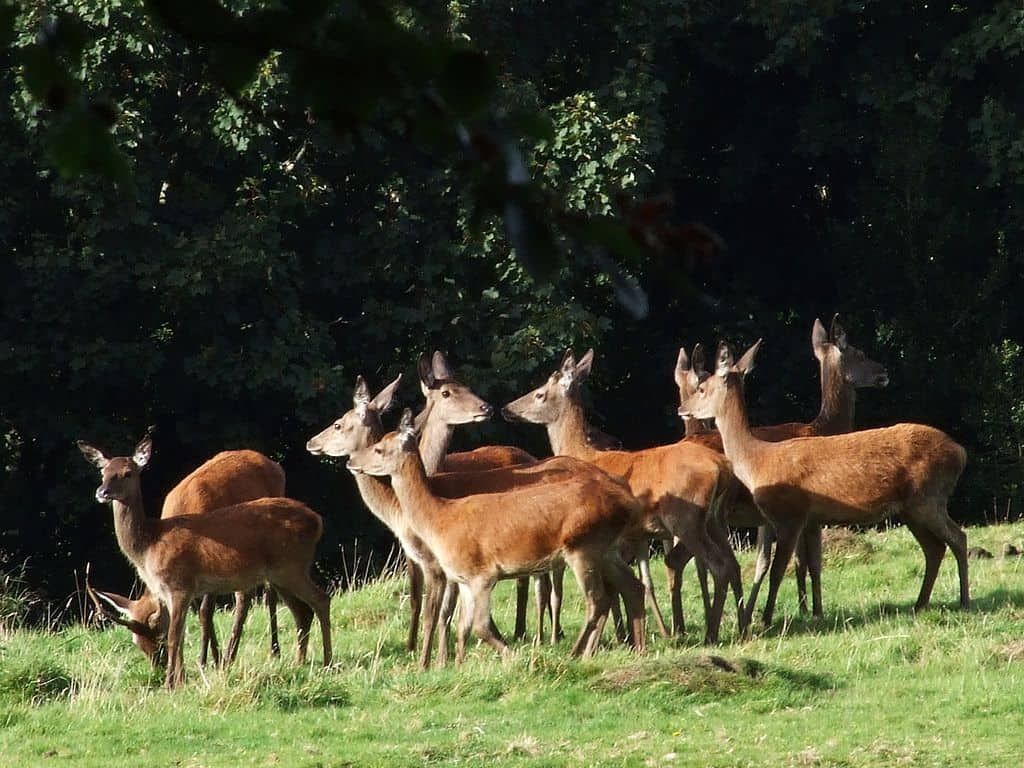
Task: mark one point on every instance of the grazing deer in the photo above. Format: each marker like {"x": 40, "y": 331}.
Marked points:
{"x": 858, "y": 478}
{"x": 229, "y": 478}
{"x": 360, "y": 428}
{"x": 576, "y": 516}
{"x": 681, "y": 486}
{"x": 844, "y": 369}
{"x": 235, "y": 549}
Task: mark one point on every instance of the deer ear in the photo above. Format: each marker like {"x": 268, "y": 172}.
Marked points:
{"x": 385, "y": 397}
{"x": 582, "y": 369}
{"x": 143, "y": 452}
{"x": 725, "y": 360}
{"x": 439, "y": 366}
{"x": 838, "y": 334}
{"x": 746, "y": 363}
{"x": 682, "y": 367}
{"x": 93, "y": 455}
{"x": 818, "y": 337}
{"x": 407, "y": 430}
{"x": 426, "y": 374}
{"x": 361, "y": 396}
{"x": 698, "y": 360}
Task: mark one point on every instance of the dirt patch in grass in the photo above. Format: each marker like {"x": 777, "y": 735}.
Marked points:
{"x": 838, "y": 544}
{"x": 706, "y": 674}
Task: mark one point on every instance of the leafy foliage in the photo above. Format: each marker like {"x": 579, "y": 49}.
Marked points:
{"x": 214, "y": 220}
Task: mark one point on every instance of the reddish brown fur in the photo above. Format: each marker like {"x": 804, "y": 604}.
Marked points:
{"x": 576, "y": 513}
{"x": 676, "y": 483}
{"x": 856, "y": 478}
{"x": 265, "y": 540}
{"x": 228, "y": 478}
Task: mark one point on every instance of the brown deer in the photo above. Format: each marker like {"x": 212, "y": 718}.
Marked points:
{"x": 857, "y": 478}
{"x": 229, "y": 478}
{"x": 450, "y": 404}
{"x": 234, "y": 549}
{"x": 681, "y": 486}
{"x": 844, "y": 369}
{"x": 577, "y": 516}
{"x": 361, "y": 427}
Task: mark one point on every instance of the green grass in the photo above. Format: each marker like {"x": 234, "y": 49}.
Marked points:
{"x": 871, "y": 685}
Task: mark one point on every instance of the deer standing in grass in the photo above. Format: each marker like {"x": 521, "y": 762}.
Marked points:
{"x": 680, "y": 486}
{"x": 577, "y": 517}
{"x": 449, "y": 404}
{"x": 235, "y": 549}
{"x": 844, "y": 370}
{"x": 360, "y": 428}
{"x": 229, "y": 478}
{"x": 858, "y": 478}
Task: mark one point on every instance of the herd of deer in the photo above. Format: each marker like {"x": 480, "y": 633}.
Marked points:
{"x": 466, "y": 520}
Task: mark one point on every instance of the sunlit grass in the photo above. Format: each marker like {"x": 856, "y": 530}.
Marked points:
{"x": 871, "y": 684}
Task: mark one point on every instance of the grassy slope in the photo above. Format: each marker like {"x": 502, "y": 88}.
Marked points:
{"x": 871, "y": 685}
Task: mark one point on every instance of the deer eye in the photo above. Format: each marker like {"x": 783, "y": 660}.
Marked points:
{"x": 337, "y": 426}
{"x": 539, "y": 395}
{"x": 701, "y": 389}
{"x": 379, "y": 451}
{"x": 445, "y": 393}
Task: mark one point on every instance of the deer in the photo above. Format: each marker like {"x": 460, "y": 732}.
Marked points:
{"x": 844, "y": 370}
{"x": 270, "y": 540}
{"x": 361, "y": 427}
{"x": 228, "y": 478}
{"x": 858, "y": 478}
{"x": 576, "y": 517}
{"x": 451, "y": 404}
{"x": 681, "y": 487}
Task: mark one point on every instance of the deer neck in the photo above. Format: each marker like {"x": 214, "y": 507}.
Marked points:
{"x": 379, "y": 497}
{"x": 738, "y": 442}
{"x": 838, "y": 400}
{"x": 695, "y": 426}
{"x": 435, "y": 438}
{"x": 135, "y": 532}
{"x": 568, "y": 433}
{"x": 417, "y": 502}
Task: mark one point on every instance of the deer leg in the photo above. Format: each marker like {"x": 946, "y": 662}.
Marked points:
{"x": 786, "y": 535}
{"x": 434, "y": 584}
{"x": 271, "y": 597}
{"x": 451, "y": 598}
{"x": 207, "y": 633}
{"x": 644, "y": 564}
{"x": 800, "y": 572}
{"x": 177, "y": 609}
{"x": 465, "y": 622}
{"x": 591, "y": 581}
{"x": 676, "y": 558}
{"x": 483, "y": 626}
{"x": 621, "y": 577}
{"x": 415, "y": 601}
{"x": 934, "y": 550}
{"x": 303, "y": 616}
{"x": 542, "y": 590}
{"x": 314, "y": 601}
{"x": 557, "y": 583}
{"x": 812, "y": 557}
{"x": 522, "y": 602}
{"x": 765, "y": 537}
{"x": 242, "y": 603}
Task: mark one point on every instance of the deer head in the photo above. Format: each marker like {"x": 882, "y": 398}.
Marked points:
{"x": 832, "y": 349}
{"x": 547, "y": 403}
{"x": 386, "y": 456}
{"x": 707, "y": 400}
{"x": 121, "y": 475}
{"x": 450, "y": 402}
{"x": 145, "y": 618}
{"x": 360, "y": 426}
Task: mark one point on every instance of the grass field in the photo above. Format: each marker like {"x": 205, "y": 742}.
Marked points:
{"x": 871, "y": 685}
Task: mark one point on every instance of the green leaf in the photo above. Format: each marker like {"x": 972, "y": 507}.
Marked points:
{"x": 79, "y": 143}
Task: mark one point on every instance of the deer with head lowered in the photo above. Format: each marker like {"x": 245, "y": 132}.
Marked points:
{"x": 856, "y": 478}
{"x": 235, "y": 549}
{"x": 577, "y": 515}
{"x": 229, "y": 478}
{"x": 681, "y": 487}
{"x": 844, "y": 370}
{"x": 360, "y": 428}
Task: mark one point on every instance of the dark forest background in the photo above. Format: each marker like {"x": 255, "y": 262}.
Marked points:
{"x": 865, "y": 158}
